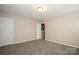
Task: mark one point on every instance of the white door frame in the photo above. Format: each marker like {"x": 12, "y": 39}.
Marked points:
{"x": 38, "y": 30}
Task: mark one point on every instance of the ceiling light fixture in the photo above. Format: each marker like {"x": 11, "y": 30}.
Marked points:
{"x": 41, "y": 8}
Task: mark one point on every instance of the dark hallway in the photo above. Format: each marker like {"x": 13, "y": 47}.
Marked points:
{"x": 43, "y": 31}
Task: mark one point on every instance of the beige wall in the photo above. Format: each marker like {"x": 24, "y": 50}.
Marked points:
{"x": 64, "y": 29}
{"x": 24, "y": 28}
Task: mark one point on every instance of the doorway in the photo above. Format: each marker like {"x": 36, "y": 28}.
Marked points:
{"x": 43, "y": 31}
{"x": 40, "y": 31}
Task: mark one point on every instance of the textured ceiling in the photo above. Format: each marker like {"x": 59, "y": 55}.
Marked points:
{"x": 28, "y": 10}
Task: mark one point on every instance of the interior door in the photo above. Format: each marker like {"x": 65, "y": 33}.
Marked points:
{"x": 38, "y": 31}
{"x": 6, "y": 31}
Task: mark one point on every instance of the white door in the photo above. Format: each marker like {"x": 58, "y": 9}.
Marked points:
{"x": 38, "y": 31}
{"x": 6, "y": 31}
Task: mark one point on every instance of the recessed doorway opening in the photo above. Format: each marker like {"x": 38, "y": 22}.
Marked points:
{"x": 43, "y": 31}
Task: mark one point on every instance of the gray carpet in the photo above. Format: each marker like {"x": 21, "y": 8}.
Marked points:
{"x": 38, "y": 47}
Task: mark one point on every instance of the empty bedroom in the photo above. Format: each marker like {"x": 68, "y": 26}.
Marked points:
{"x": 39, "y": 29}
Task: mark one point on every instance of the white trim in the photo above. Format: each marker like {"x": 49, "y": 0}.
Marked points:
{"x": 15, "y": 43}
{"x": 63, "y": 43}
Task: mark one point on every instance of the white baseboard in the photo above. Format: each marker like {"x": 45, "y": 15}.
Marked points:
{"x": 14, "y": 43}
{"x": 5, "y": 44}
{"x": 63, "y": 43}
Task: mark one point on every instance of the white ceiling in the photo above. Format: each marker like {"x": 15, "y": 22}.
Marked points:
{"x": 28, "y": 10}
